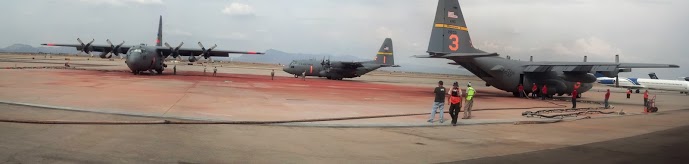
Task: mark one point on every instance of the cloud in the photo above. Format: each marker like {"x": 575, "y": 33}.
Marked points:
{"x": 384, "y": 32}
{"x": 124, "y": 2}
{"x": 592, "y": 46}
{"x": 233, "y": 36}
{"x": 238, "y": 9}
{"x": 178, "y": 32}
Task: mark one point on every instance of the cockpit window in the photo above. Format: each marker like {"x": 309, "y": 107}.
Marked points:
{"x": 136, "y": 50}
{"x": 292, "y": 63}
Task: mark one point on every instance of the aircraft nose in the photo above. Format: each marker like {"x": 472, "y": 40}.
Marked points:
{"x": 285, "y": 68}
{"x": 135, "y": 61}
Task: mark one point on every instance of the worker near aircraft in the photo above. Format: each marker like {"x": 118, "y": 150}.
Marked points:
{"x": 469, "y": 101}
{"x": 455, "y": 102}
{"x": 439, "y": 102}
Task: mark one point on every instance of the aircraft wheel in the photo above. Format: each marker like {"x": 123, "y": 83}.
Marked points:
{"x": 637, "y": 91}
{"x": 515, "y": 94}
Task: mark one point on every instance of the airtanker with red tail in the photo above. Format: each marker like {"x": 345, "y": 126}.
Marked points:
{"x": 140, "y": 58}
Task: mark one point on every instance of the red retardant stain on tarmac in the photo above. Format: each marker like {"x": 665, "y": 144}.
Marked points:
{"x": 227, "y": 96}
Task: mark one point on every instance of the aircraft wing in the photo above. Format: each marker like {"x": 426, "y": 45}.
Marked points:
{"x": 588, "y": 66}
{"x": 352, "y": 65}
{"x": 198, "y": 51}
{"x": 97, "y": 48}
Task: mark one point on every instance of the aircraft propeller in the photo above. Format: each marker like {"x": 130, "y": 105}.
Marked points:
{"x": 326, "y": 64}
{"x": 113, "y": 49}
{"x": 207, "y": 52}
{"x": 174, "y": 52}
{"x": 86, "y": 48}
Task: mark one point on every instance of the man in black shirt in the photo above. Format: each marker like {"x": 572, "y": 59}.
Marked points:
{"x": 439, "y": 103}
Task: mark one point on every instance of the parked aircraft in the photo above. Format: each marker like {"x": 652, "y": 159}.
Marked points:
{"x": 140, "y": 58}
{"x": 450, "y": 40}
{"x": 337, "y": 70}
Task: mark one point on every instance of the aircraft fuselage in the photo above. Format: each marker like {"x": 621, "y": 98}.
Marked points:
{"x": 506, "y": 75}
{"x": 144, "y": 58}
{"x": 336, "y": 70}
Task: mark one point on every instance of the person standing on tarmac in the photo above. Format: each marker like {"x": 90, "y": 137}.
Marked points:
{"x": 455, "y": 102}
{"x": 272, "y": 74}
{"x": 544, "y": 91}
{"x": 470, "y": 102}
{"x": 629, "y": 93}
{"x": 574, "y": 99}
{"x": 215, "y": 71}
{"x": 534, "y": 90}
{"x": 520, "y": 88}
{"x": 646, "y": 98}
{"x": 607, "y": 96}
{"x": 303, "y": 76}
{"x": 439, "y": 103}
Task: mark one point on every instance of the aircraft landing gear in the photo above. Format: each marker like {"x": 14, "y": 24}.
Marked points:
{"x": 637, "y": 91}
{"x": 296, "y": 76}
{"x": 136, "y": 72}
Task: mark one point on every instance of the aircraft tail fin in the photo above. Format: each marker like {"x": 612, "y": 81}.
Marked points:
{"x": 450, "y": 34}
{"x": 653, "y": 75}
{"x": 385, "y": 53}
{"x": 159, "y": 40}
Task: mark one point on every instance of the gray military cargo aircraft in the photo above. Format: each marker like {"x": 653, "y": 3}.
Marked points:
{"x": 338, "y": 70}
{"x": 450, "y": 40}
{"x": 140, "y": 58}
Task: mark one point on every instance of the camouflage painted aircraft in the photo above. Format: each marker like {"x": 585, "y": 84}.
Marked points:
{"x": 140, "y": 58}
{"x": 450, "y": 40}
{"x": 338, "y": 70}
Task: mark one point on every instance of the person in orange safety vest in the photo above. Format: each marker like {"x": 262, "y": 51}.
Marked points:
{"x": 455, "y": 102}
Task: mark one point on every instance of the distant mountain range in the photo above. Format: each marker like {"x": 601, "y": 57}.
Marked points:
{"x": 279, "y": 57}
{"x": 23, "y": 48}
{"x": 271, "y": 56}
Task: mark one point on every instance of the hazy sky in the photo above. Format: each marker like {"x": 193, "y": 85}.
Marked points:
{"x": 564, "y": 30}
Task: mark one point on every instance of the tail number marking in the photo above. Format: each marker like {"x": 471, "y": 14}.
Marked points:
{"x": 454, "y": 46}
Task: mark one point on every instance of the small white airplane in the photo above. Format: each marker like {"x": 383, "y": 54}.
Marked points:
{"x": 638, "y": 83}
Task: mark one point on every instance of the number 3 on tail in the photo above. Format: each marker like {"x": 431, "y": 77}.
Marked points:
{"x": 454, "y": 46}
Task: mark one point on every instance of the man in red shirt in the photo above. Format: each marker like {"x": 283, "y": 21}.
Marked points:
{"x": 534, "y": 90}
{"x": 521, "y": 90}
{"x": 544, "y": 91}
{"x": 607, "y": 96}
{"x": 574, "y": 99}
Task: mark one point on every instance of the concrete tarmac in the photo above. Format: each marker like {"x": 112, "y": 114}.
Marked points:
{"x": 667, "y": 146}
{"x": 32, "y": 143}
{"x": 244, "y": 92}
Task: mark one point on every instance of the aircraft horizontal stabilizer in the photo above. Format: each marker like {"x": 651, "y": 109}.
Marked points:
{"x": 644, "y": 65}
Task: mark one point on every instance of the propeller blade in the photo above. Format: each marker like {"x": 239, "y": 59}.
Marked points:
{"x": 92, "y": 40}
{"x": 201, "y": 45}
{"x": 213, "y": 47}
{"x": 180, "y": 46}
{"x": 168, "y": 45}
{"x": 80, "y": 42}
{"x": 110, "y": 43}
